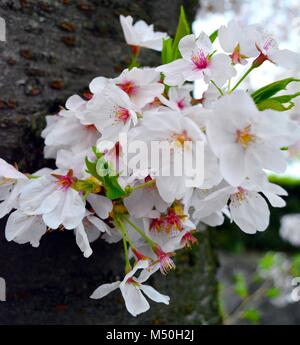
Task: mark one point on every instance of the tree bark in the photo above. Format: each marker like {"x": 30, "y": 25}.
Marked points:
{"x": 53, "y": 49}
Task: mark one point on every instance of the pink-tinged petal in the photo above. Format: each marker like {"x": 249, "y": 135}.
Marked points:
{"x": 104, "y": 290}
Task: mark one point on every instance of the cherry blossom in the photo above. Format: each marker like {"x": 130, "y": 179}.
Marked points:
{"x": 133, "y": 290}
{"x": 239, "y": 41}
{"x": 142, "y": 85}
{"x": 53, "y": 197}
{"x": 198, "y": 62}
{"x": 141, "y": 34}
{"x": 246, "y": 140}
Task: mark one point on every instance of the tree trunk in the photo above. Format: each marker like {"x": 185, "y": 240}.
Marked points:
{"x": 53, "y": 49}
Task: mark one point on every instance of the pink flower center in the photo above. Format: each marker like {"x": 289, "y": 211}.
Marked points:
{"x": 200, "y": 60}
{"x": 65, "y": 181}
{"x": 122, "y": 114}
{"x": 181, "y": 104}
{"x": 129, "y": 87}
{"x": 269, "y": 43}
{"x": 91, "y": 127}
{"x": 156, "y": 224}
{"x": 236, "y": 56}
{"x": 87, "y": 95}
{"x": 188, "y": 239}
{"x": 171, "y": 222}
{"x": 166, "y": 263}
{"x": 131, "y": 280}
{"x": 240, "y": 195}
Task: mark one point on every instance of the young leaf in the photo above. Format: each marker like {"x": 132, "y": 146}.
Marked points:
{"x": 252, "y": 315}
{"x": 183, "y": 29}
{"x": 295, "y": 269}
{"x": 275, "y": 104}
{"x": 213, "y": 36}
{"x": 267, "y": 261}
{"x": 273, "y": 293}
{"x": 271, "y": 89}
{"x": 167, "y": 51}
{"x": 100, "y": 170}
{"x": 240, "y": 285}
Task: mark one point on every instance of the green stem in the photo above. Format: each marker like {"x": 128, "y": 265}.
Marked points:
{"x": 134, "y": 60}
{"x": 126, "y": 234}
{"x": 143, "y": 185}
{"x": 141, "y": 232}
{"x": 123, "y": 232}
{"x": 242, "y": 78}
{"x": 228, "y": 87}
{"x": 217, "y": 87}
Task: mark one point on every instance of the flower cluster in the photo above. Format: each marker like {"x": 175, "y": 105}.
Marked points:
{"x": 155, "y": 214}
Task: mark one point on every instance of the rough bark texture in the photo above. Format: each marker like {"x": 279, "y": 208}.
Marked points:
{"x": 53, "y": 49}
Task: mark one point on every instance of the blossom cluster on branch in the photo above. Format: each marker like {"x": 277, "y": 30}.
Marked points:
{"x": 155, "y": 214}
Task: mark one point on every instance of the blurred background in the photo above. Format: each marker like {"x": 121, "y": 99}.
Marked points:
{"x": 256, "y": 271}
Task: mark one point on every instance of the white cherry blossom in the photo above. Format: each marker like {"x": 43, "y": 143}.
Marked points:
{"x": 53, "y": 197}
{"x": 246, "y": 140}
{"x": 141, "y": 34}
{"x": 198, "y": 62}
{"x": 133, "y": 290}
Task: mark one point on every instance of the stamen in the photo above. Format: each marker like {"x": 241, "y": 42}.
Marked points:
{"x": 200, "y": 60}
{"x": 244, "y": 137}
{"x": 128, "y": 87}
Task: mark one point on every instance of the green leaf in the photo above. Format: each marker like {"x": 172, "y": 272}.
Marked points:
{"x": 275, "y": 104}
{"x": 101, "y": 170}
{"x": 112, "y": 188}
{"x": 213, "y": 36}
{"x": 267, "y": 261}
{"x": 240, "y": 285}
{"x": 271, "y": 89}
{"x": 289, "y": 181}
{"x": 280, "y": 103}
{"x": 167, "y": 51}
{"x": 252, "y": 315}
{"x": 91, "y": 168}
{"x": 183, "y": 29}
{"x": 295, "y": 267}
{"x": 273, "y": 293}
